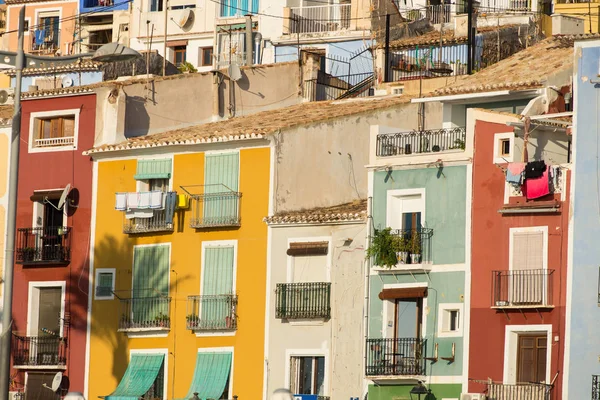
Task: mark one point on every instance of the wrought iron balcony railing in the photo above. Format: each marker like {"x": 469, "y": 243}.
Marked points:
{"x": 145, "y": 313}
{"x": 526, "y": 391}
{"x": 415, "y": 246}
{"x": 157, "y": 223}
{"x": 49, "y": 245}
{"x": 215, "y": 206}
{"x": 212, "y": 312}
{"x": 418, "y": 142}
{"x": 303, "y": 300}
{"x": 395, "y": 357}
{"x": 37, "y": 351}
{"x": 522, "y": 288}
{"x": 595, "y": 387}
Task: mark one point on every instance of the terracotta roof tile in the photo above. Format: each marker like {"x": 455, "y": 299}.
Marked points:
{"x": 69, "y": 91}
{"x": 527, "y": 69}
{"x": 86, "y": 65}
{"x": 256, "y": 126}
{"x": 348, "y": 212}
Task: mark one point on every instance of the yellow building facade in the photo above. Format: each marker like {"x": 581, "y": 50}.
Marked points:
{"x": 179, "y": 286}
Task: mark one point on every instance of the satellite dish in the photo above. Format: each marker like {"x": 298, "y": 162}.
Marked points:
{"x": 187, "y": 19}
{"x": 3, "y": 96}
{"x": 57, "y": 381}
{"x": 63, "y": 196}
{"x": 115, "y": 52}
{"x": 235, "y": 74}
{"x": 67, "y": 81}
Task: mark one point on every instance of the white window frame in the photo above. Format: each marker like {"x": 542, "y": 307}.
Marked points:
{"x": 99, "y": 271}
{"x": 28, "y": 22}
{"x": 143, "y": 185}
{"x": 223, "y": 350}
{"x": 291, "y": 261}
{"x": 511, "y": 349}
{"x": 399, "y": 193}
{"x": 290, "y": 353}
{"x": 498, "y": 138}
{"x": 447, "y": 307}
{"x": 33, "y": 311}
{"x": 166, "y": 365}
{"x": 49, "y": 114}
{"x": 215, "y": 244}
{"x": 388, "y": 303}
{"x": 543, "y": 229}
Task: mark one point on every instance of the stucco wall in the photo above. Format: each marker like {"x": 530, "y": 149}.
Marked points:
{"x": 339, "y": 160}
{"x": 340, "y": 338}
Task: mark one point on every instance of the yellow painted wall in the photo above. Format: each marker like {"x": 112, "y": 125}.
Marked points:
{"x": 4, "y": 81}
{"x": 109, "y": 349}
{"x": 589, "y": 11}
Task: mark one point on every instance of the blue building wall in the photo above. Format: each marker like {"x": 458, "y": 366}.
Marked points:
{"x": 79, "y": 79}
{"x": 109, "y": 6}
{"x": 583, "y": 312}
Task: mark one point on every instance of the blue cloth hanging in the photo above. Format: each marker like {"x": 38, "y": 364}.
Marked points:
{"x": 40, "y": 34}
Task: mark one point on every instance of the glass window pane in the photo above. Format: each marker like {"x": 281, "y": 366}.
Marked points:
{"x": 305, "y": 372}
{"x": 46, "y": 124}
{"x": 68, "y": 126}
{"x": 320, "y": 361}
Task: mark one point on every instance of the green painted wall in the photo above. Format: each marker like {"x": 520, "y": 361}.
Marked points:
{"x": 445, "y": 207}
{"x": 446, "y": 287}
{"x": 402, "y": 392}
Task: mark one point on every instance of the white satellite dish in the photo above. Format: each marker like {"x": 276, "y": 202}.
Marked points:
{"x": 63, "y": 196}
{"x": 57, "y": 381}
{"x": 67, "y": 81}
{"x": 187, "y": 19}
{"x": 235, "y": 74}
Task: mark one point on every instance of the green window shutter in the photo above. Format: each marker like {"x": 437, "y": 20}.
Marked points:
{"x": 217, "y": 279}
{"x": 105, "y": 282}
{"x": 221, "y": 175}
{"x": 140, "y": 375}
{"x": 150, "y": 282}
{"x": 153, "y": 169}
{"x": 210, "y": 376}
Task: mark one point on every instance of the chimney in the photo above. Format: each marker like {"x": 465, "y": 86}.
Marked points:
{"x": 249, "y": 41}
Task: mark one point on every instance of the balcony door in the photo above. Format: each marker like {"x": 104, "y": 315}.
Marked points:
{"x": 45, "y": 324}
{"x": 218, "y": 277}
{"x": 532, "y": 352}
{"x": 528, "y": 247}
{"x": 407, "y": 348}
{"x": 406, "y": 209}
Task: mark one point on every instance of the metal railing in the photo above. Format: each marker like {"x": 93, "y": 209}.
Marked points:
{"x": 435, "y": 13}
{"x": 39, "y": 350}
{"x": 522, "y": 288}
{"x": 395, "y": 357}
{"x": 595, "y": 387}
{"x": 314, "y": 19}
{"x": 427, "y": 62}
{"x": 217, "y": 206}
{"x": 303, "y": 300}
{"x": 97, "y": 3}
{"x": 212, "y": 312}
{"x": 495, "y": 6}
{"x": 44, "y": 41}
{"x": 157, "y": 223}
{"x": 418, "y": 142}
{"x": 145, "y": 312}
{"x": 49, "y": 245}
{"x": 526, "y": 391}
{"x": 327, "y": 87}
{"x": 415, "y": 245}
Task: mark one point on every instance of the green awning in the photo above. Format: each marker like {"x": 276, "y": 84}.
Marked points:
{"x": 139, "y": 377}
{"x": 153, "y": 169}
{"x": 210, "y": 376}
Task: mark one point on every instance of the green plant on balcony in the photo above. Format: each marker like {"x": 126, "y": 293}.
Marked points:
{"x": 384, "y": 247}
{"x": 403, "y": 246}
{"x": 192, "y": 320}
{"x": 458, "y": 144}
{"x": 415, "y": 247}
{"x": 28, "y": 253}
{"x": 186, "y": 67}
{"x": 162, "y": 320}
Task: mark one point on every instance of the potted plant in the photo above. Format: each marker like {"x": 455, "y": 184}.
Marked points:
{"x": 415, "y": 247}
{"x": 383, "y": 247}
{"x": 162, "y": 320}
{"x": 192, "y": 320}
{"x": 402, "y": 244}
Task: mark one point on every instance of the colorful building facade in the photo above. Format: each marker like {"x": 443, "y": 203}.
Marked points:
{"x": 180, "y": 292}
{"x": 52, "y": 244}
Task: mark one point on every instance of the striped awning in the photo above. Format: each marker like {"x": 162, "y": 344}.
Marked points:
{"x": 153, "y": 169}
{"x": 210, "y": 376}
{"x": 139, "y": 377}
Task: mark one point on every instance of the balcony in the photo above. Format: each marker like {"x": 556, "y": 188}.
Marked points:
{"x": 214, "y": 207}
{"x": 395, "y": 357}
{"x": 44, "y": 41}
{"x": 317, "y": 19}
{"x": 526, "y": 391}
{"x": 522, "y": 289}
{"x": 414, "y": 246}
{"x": 420, "y": 142}
{"x": 303, "y": 300}
{"x": 39, "y": 351}
{"x": 145, "y": 313}
{"x": 49, "y": 245}
{"x": 157, "y": 223}
{"x": 212, "y": 312}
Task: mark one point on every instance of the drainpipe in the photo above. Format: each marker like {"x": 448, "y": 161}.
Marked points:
{"x": 249, "y": 40}
{"x": 368, "y": 265}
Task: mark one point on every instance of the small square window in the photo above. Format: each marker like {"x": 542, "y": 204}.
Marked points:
{"x": 450, "y": 320}
{"x": 206, "y": 56}
{"x": 504, "y": 147}
{"x": 105, "y": 283}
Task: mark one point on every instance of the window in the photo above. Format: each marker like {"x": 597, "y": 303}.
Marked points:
{"x": 36, "y": 387}
{"x": 531, "y": 358}
{"x": 307, "y": 375}
{"x": 218, "y": 285}
{"x": 183, "y": 6}
{"x": 157, "y": 389}
{"x": 450, "y": 319}
{"x": 232, "y": 8}
{"x": 505, "y": 147}
{"x": 179, "y": 55}
{"x": 105, "y": 283}
{"x": 47, "y": 32}
{"x": 221, "y": 175}
{"x": 26, "y": 26}
{"x": 156, "y": 5}
{"x": 231, "y": 47}
{"x": 46, "y": 308}
{"x": 528, "y": 251}
{"x": 406, "y": 209}
{"x": 150, "y": 284}
{"x": 55, "y": 131}
{"x": 206, "y": 56}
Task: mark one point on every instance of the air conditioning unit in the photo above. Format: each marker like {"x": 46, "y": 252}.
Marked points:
{"x": 7, "y": 96}
{"x": 472, "y": 396}
{"x": 16, "y": 396}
